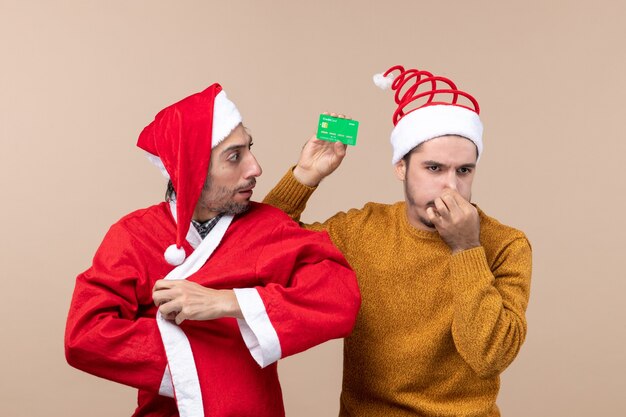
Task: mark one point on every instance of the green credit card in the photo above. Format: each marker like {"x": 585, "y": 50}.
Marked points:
{"x": 337, "y": 129}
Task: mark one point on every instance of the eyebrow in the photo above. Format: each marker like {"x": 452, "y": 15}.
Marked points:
{"x": 468, "y": 165}
{"x": 237, "y": 146}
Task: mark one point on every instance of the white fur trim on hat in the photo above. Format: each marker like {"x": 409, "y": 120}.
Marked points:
{"x": 158, "y": 163}
{"x": 226, "y": 117}
{"x": 433, "y": 121}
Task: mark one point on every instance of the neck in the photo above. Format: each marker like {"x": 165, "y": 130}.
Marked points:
{"x": 201, "y": 214}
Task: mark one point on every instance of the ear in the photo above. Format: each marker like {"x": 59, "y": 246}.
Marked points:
{"x": 400, "y": 167}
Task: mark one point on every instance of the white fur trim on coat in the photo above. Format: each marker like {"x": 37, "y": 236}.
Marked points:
{"x": 256, "y": 329}
{"x": 167, "y": 388}
{"x": 180, "y": 359}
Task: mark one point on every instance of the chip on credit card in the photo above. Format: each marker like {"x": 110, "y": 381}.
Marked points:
{"x": 337, "y": 129}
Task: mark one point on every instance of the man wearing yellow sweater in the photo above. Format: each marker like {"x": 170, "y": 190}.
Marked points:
{"x": 444, "y": 286}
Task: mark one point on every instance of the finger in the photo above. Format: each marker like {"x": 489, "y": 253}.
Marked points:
{"x": 341, "y": 116}
{"x": 158, "y": 285}
{"x": 463, "y": 203}
{"x": 163, "y": 284}
{"x": 169, "y": 307}
{"x": 170, "y": 316}
{"x": 340, "y": 148}
{"x": 158, "y": 300}
{"x": 460, "y": 203}
{"x": 180, "y": 317}
{"x": 454, "y": 193}
{"x": 161, "y": 297}
{"x": 160, "y": 294}
{"x": 449, "y": 199}
{"x": 460, "y": 200}
{"x": 433, "y": 216}
{"x": 441, "y": 207}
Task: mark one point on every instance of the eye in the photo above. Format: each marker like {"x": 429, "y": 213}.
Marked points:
{"x": 234, "y": 157}
{"x": 433, "y": 168}
{"x": 464, "y": 170}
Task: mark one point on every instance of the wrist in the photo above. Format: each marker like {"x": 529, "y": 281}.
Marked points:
{"x": 306, "y": 177}
{"x": 463, "y": 248}
{"x": 231, "y": 305}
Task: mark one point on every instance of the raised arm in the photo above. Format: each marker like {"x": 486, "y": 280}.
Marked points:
{"x": 318, "y": 160}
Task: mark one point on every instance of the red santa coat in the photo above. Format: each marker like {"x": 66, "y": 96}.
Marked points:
{"x": 307, "y": 290}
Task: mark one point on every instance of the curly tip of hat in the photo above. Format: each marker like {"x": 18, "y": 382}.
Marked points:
{"x": 174, "y": 256}
{"x": 382, "y": 82}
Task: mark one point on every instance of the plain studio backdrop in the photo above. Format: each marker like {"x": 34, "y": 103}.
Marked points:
{"x": 80, "y": 79}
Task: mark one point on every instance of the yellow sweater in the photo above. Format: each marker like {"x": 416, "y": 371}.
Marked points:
{"x": 434, "y": 331}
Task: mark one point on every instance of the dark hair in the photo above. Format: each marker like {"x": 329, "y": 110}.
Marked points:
{"x": 407, "y": 156}
{"x": 170, "y": 193}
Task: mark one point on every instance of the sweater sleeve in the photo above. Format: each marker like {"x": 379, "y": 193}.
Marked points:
{"x": 291, "y": 196}
{"x": 106, "y": 335}
{"x": 489, "y": 324}
{"x": 310, "y": 293}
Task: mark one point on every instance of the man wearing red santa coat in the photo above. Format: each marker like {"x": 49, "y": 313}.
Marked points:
{"x": 192, "y": 301}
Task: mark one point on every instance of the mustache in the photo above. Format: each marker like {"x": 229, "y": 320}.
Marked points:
{"x": 246, "y": 186}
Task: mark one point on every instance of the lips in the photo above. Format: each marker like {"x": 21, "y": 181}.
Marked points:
{"x": 247, "y": 188}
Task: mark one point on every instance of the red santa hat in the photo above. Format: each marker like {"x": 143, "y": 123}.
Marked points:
{"x": 428, "y": 107}
{"x": 179, "y": 142}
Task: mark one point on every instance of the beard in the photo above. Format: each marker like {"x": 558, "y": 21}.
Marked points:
{"x": 231, "y": 207}
{"x": 411, "y": 201}
{"x": 427, "y": 222}
{"x": 221, "y": 200}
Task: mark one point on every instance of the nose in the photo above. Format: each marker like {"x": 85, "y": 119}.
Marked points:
{"x": 253, "y": 169}
{"x": 451, "y": 180}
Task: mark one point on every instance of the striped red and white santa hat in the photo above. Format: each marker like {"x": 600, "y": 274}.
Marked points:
{"x": 429, "y": 106}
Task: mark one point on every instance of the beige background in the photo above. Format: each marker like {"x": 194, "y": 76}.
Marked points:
{"x": 80, "y": 79}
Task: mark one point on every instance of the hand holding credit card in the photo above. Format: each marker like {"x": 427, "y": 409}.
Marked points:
{"x": 337, "y": 129}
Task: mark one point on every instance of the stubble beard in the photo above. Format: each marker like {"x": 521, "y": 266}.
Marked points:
{"x": 413, "y": 206}
{"x": 222, "y": 202}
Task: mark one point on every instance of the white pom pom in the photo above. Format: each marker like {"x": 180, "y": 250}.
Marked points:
{"x": 382, "y": 82}
{"x": 174, "y": 256}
